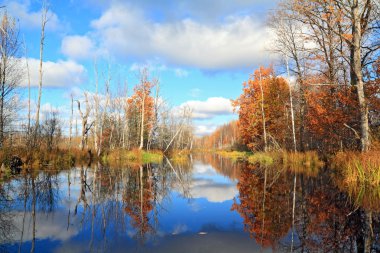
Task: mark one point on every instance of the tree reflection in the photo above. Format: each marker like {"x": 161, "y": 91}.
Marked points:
{"x": 138, "y": 201}
{"x": 264, "y": 218}
{"x": 126, "y": 202}
{"x": 325, "y": 220}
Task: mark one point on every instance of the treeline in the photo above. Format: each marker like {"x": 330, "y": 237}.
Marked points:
{"x": 97, "y": 122}
{"x": 224, "y": 137}
{"x": 141, "y": 120}
{"x": 328, "y": 97}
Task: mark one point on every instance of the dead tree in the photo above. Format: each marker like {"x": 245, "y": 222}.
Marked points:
{"x": 85, "y": 125}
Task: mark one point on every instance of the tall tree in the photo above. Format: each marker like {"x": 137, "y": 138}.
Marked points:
{"x": 10, "y": 73}
{"x": 252, "y": 107}
{"x": 44, "y": 20}
{"x": 356, "y": 24}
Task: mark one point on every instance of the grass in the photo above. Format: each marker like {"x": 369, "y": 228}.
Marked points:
{"x": 359, "y": 175}
{"x": 359, "y": 168}
{"x": 133, "y": 156}
{"x": 265, "y": 159}
{"x": 180, "y": 159}
{"x": 234, "y": 155}
{"x": 57, "y": 158}
{"x": 149, "y": 157}
{"x": 305, "y": 162}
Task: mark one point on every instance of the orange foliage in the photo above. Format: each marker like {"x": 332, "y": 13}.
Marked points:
{"x": 226, "y": 136}
{"x": 248, "y": 105}
{"x": 140, "y": 99}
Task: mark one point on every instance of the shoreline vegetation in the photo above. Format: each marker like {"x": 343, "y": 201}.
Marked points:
{"x": 357, "y": 169}
{"x": 318, "y": 109}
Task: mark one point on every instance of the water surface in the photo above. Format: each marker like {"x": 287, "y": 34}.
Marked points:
{"x": 205, "y": 204}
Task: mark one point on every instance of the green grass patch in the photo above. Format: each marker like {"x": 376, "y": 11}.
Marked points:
{"x": 262, "y": 158}
{"x": 234, "y": 155}
{"x": 152, "y": 157}
{"x": 133, "y": 156}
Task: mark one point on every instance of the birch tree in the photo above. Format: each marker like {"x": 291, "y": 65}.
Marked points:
{"x": 10, "y": 73}
{"x": 44, "y": 20}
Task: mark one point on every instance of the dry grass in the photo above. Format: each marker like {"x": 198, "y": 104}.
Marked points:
{"x": 234, "y": 155}
{"x": 261, "y": 158}
{"x": 359, "y": 175}
{"x": 359, "y": 168}
{"x": 57, "y": 158}
{"x": 306, "y": 163}
{"x": 133, "y": 156}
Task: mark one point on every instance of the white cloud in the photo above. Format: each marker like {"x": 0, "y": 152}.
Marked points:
{"x": 238, "y": 42}
{"x": 78, "y": 47}
{"x": 31, "y": 19}
{"x": 203, "y": 130}
{"x": 210, "y": 108}
{"x": 212, "y": 191}
{"x": 55, "y": 74}
{"x": 156, "y": 67}
{"x": 47, "y": 227}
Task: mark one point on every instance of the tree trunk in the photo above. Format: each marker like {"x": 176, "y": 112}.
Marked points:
{"x": 356, "y": 76}
{"x": 142, "y": 120}
{"x": 43, "y": 24}
{"x": 263, "y": 115}
{"x": 291, "y": 108}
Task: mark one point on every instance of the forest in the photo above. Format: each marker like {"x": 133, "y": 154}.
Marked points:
{"x": 323, "y": 95}
{"x": 108, "y": 120}
{"x": 293, "y": 167}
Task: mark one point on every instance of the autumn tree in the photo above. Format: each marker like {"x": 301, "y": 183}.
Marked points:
{"x": 355, "y": 24}
{"x": 224, "y": 137}
{"x": 141, "y": 108}
{"x": 263, "y": 94}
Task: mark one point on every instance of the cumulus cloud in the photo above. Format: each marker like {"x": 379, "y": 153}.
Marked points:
{"x": 31, "y": 19}
{"x": 47, "y": 228}
{"x": 78, "y": 47}
{"x": 156, "y": 66}
{"x": 213, "y": 106}
{"x": 205, "y": 10}
{"x": 125, "y": 31}
{"x": 212, "y": 191}
{"x": 56, "y": 74}
{"x": 203, "y": 130}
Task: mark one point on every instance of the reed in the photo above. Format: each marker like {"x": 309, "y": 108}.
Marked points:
{"x": 234, "y": 155}
{"x": 133, "y": 156}
{"x": 359, "y": 168}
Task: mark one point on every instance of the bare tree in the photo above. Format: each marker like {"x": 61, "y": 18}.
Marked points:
{"x": 355, "y": 23}
{"x": 290, "y": 43}
{"x": 85, "y": 125}
{"x": 51, "y": 130}
{"x": 44, "y": 20}
{"x": 143, "y": 84}
{"x": 71, "y": 120}
{"x": 96, "y": 126}
{"x": 10, "y": 73}
{"x": 28, "y": 72}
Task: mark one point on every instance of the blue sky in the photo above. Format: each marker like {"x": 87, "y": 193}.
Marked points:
{"x": 201, "y": 50}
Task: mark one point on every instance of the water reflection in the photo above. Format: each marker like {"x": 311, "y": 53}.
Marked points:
{"x": 325, "y": 219}
{"x": 204, "y": 204}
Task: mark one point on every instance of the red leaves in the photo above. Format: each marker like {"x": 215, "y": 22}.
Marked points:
{"x": 248, "y": 105}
